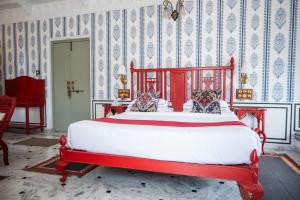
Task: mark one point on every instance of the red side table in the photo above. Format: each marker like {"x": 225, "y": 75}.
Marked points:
{"x": 114, "y": 109}
{"x": 259, "y": 114}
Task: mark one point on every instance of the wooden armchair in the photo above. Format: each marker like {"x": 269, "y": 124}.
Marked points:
{"x": 7, "y": 106}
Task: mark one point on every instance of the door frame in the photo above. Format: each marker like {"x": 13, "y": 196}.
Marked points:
{"x": 51, "y": 74}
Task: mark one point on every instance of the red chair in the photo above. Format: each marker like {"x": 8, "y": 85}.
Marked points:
{"x": 29, "y": 93}
{"x": 7, "y": 107}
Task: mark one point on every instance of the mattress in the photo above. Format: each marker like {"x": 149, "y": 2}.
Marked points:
{"x": 205, "y": 145}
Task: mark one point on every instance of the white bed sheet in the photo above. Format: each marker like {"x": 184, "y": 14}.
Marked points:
{"x": 206, "y": 145}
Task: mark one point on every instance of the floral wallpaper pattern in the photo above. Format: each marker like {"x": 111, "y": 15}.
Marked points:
{"x": 259, "y": 34}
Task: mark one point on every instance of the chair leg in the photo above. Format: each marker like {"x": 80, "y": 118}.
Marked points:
{"x": 42, "y": 118}
{"x": 5, "y": 151}
{"x": 27, "y": 120}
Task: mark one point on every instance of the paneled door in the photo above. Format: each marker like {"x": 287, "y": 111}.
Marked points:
{"x": 71, "y": 82}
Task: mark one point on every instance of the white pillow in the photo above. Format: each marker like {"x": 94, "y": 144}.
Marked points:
{"x": 224, "y": 106}
{"x": 163, "y": 102}
{"x": 163, "y": 106}
{"x": 188, "y": 106}
{"x": 163, "y": 109}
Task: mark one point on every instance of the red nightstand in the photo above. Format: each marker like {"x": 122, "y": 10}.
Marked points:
{"x": 259, "y": 114}
{"x": 114, "y": 109}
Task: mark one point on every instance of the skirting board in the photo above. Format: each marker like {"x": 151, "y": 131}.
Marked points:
{"x": 297, "y": 117}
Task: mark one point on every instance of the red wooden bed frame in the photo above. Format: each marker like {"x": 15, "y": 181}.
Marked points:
{"x": 246, "y": 174}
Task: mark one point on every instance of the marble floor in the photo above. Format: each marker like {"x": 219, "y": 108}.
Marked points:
{"x": 101, "y": 183}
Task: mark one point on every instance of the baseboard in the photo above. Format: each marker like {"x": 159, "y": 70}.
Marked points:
{"x": 296, "y": 145}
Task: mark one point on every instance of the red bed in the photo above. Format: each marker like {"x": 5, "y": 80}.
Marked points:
{"x": 219, "y": 77}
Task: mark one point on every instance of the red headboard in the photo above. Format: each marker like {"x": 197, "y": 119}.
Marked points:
{"x": 175, "y": 81}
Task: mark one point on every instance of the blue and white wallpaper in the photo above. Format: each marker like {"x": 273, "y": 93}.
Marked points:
{"x": 261, "y": 34}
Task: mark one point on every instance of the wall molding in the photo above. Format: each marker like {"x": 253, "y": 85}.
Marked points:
{"x": 297, "y": 117}
{"x": 287, "y": 108}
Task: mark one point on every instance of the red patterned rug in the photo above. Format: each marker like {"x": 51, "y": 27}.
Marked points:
{"x": 48, "y": 166}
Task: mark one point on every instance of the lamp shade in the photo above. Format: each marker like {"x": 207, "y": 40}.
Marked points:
{"x": 244, "y": 68}
{"x": 122, "y": 70}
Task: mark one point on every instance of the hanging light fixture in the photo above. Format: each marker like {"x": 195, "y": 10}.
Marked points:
{"x": 169, "y": 12}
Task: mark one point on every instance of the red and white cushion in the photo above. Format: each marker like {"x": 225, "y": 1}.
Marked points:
{"x": 145, "y": 102}
{"x": 206, "y": 101}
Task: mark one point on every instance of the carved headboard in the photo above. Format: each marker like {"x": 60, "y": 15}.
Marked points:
{"x": 173, "y": 82}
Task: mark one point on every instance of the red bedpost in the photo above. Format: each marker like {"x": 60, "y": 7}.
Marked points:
{"x": 231, "y": 82}
{"x": 132, "y": 76}
{"x": 253, "y": 189}
{"x": 62, "y": 162}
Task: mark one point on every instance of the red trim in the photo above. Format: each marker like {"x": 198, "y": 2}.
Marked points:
{"x": 169, "y": 123}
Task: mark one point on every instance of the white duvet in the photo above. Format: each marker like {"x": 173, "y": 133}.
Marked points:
{"x": 206, "y": 145}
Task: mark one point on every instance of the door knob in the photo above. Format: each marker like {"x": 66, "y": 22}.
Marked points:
{"x": 73, "y": 88}
{"x": 77, "y": 91}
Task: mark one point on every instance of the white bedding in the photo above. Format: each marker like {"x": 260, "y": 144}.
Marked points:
{"x": 206, "y": 145}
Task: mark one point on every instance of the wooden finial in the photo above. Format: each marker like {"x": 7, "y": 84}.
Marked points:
{"x": 232, "y": 62}
{"x": 131, "y": 64}
{"x": 254, "y": 157}
{"x": 63, "y": 140}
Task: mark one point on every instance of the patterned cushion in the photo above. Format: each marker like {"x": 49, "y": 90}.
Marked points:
{"x": 206, "y": 101}
{"x": 145, "y": 102}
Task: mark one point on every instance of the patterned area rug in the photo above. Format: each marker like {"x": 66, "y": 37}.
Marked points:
{"x": 280, "y": 177}
{"x": 278, "y": 173}
{"x": 41, "y": 142}
{"x": 48, "y": 166}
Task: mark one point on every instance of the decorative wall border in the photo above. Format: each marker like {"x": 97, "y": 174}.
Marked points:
{"x": 297, "y": 117}
{"x": 288, "y": 107}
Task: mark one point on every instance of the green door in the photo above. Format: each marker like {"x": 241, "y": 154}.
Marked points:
{"x": 71, "y": 82}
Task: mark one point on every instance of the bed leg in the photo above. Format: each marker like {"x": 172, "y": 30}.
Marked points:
{"x": 62, "y": 162}
{"x": 60, "y": 166}
{"x": 252, "y": 190}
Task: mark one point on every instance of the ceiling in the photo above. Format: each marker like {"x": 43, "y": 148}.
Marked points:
{"x": 12, "y": 4}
